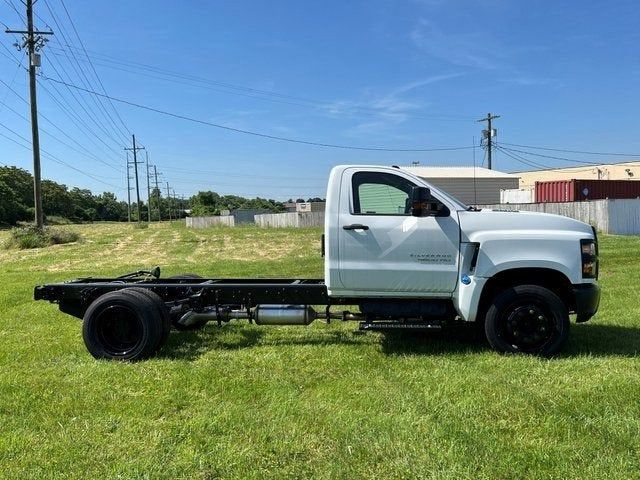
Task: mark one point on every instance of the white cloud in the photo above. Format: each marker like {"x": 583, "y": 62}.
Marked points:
{"x": 528, "y": 81}
{"x": 468, "y": 49}
{"x": 390, "y": 104}
{"x": 385, "y": 111}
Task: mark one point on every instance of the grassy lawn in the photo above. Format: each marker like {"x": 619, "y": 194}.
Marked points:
{"x": 317, "y": 402}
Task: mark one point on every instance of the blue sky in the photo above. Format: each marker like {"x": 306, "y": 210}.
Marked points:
{"x": 398, "y": 74}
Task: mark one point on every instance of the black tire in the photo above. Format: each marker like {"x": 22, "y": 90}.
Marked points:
{"x": 527, "y": 319}
{"x": 122, "y": 326}
{"x": 160, "y": 307}
{"x": 174, "y": 318}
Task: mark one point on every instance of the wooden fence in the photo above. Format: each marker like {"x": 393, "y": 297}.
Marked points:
{"x": 290, "y": 219}
{"x": 204, "y": 222}
{"x": 618, "y": 217}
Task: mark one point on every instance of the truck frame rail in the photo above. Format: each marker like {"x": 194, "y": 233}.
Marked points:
{"x": 75, "y": 296}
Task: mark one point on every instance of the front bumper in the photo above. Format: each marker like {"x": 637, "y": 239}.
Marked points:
{"x": 587, "y": 301}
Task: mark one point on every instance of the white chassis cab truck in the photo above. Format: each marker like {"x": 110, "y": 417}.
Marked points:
{"x": 406, "y": 254}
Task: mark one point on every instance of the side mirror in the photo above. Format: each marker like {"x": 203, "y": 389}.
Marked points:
{"x": 422, "y": 203}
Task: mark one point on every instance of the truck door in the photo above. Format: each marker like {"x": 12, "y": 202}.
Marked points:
{"x": 382, "y": 248}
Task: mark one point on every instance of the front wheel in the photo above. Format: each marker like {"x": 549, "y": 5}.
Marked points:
{"x": 527, "y": 319}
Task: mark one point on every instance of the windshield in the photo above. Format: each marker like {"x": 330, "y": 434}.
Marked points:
{"x": 441, "y": 194}
{"x": 454, "y": 200}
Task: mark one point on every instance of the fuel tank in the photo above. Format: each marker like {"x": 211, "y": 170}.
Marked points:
{"x": 284, "y": 315}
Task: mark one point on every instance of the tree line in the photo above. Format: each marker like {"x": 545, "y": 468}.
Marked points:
{"x": 81, "y": 205}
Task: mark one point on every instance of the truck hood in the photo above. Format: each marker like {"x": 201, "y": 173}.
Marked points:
{"x": 477, "y": 224}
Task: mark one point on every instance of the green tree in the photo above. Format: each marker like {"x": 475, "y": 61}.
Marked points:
{"x": 108, "y": 208}
{"x": 11, "y": 210}
{"x": 20, "y": 182}
{"x": 56, "y": 199}
{"x": 84, "y": 204}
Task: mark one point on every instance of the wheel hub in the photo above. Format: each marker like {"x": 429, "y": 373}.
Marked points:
{"x": 119, "y": 329}
{"x": 528, "y": 326}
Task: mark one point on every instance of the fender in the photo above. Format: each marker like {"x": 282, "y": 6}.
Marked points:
{"x": 518, "y": 250}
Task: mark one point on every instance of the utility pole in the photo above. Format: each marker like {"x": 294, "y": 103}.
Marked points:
{"x": 135, "y": 164}
{"x": 155, "y": 173}
{"x": 33, "y": 42}
{"x": 169, "y": 201}
{"x": 148, "y": 190}
{"x": 175, "y": 202}
{"x": 488, "y": 134}
{"x": 128, "y": 191}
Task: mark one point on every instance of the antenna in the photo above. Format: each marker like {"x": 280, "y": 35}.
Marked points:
{"x": 475, "y": 194}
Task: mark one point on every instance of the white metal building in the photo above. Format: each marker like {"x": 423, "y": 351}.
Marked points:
{"x": 471, "y": 185}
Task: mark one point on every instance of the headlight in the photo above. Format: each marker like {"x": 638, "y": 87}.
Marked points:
{"x": 589, "y": 254}
{"x": 588, "y": 247}
{"x": 590, "y": 269}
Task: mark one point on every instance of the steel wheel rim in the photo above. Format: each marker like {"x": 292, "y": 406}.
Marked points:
{"x": 528, "y": 325}
{"x": 119, "y": 330}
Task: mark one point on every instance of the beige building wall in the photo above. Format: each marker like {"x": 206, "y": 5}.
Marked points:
{"x": 618, "y": 171}
{"x": 470, "y": 191}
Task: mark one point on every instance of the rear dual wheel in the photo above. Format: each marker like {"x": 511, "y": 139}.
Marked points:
{"x": 527, "y": 319}
{"x": 128, "y": 324}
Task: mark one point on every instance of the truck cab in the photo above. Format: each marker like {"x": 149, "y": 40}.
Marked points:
{"x": 399, "y": 246}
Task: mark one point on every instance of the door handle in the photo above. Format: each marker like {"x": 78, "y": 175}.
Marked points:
{"x": 356, "y": 226}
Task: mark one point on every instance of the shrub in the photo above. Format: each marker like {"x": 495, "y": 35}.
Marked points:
{"x": 59, "y": 236}
{"x": 56, "y": 220}
{"x": 26, "y": 237}
{"x": 31, "y": 237}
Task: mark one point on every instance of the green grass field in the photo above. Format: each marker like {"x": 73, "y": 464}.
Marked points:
{"x": 293, "y": 402}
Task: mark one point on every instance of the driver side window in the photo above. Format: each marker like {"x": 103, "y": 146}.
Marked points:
{"x": 377, "y": 193}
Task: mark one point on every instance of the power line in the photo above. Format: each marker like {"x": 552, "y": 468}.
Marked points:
{"x": 92, "y": 67}
{"x": 585, "y": 162}
{"x": 82, "y": 125}
{"x": 256, "y": 134}
{"x": 92, "y": 116}
{"x": 13, "y": 7}
{"x": 520, "y": 159}
{"x": 611, "y": 154}
{"x": 51, "y": 156}
{"x": 84, "y": 79}
{"x": 189, "y": 181}
{"x": 523, "y": 160}
{"x": 88, "y": 152}
{"x": 77, "y": 120}
{"x": 86, "y": 107}
{"x": 10, "y": 85}
{"x": 564, "y": 159}
{"x": 239, "y": 175}
{"x": 325, "y": 107}
{"x": 57, "y": 138}
{"x": 11, "y": 57}
{"x": 244, "y": 91}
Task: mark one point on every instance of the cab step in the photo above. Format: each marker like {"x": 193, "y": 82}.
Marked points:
{"x": 395, "y": 325}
